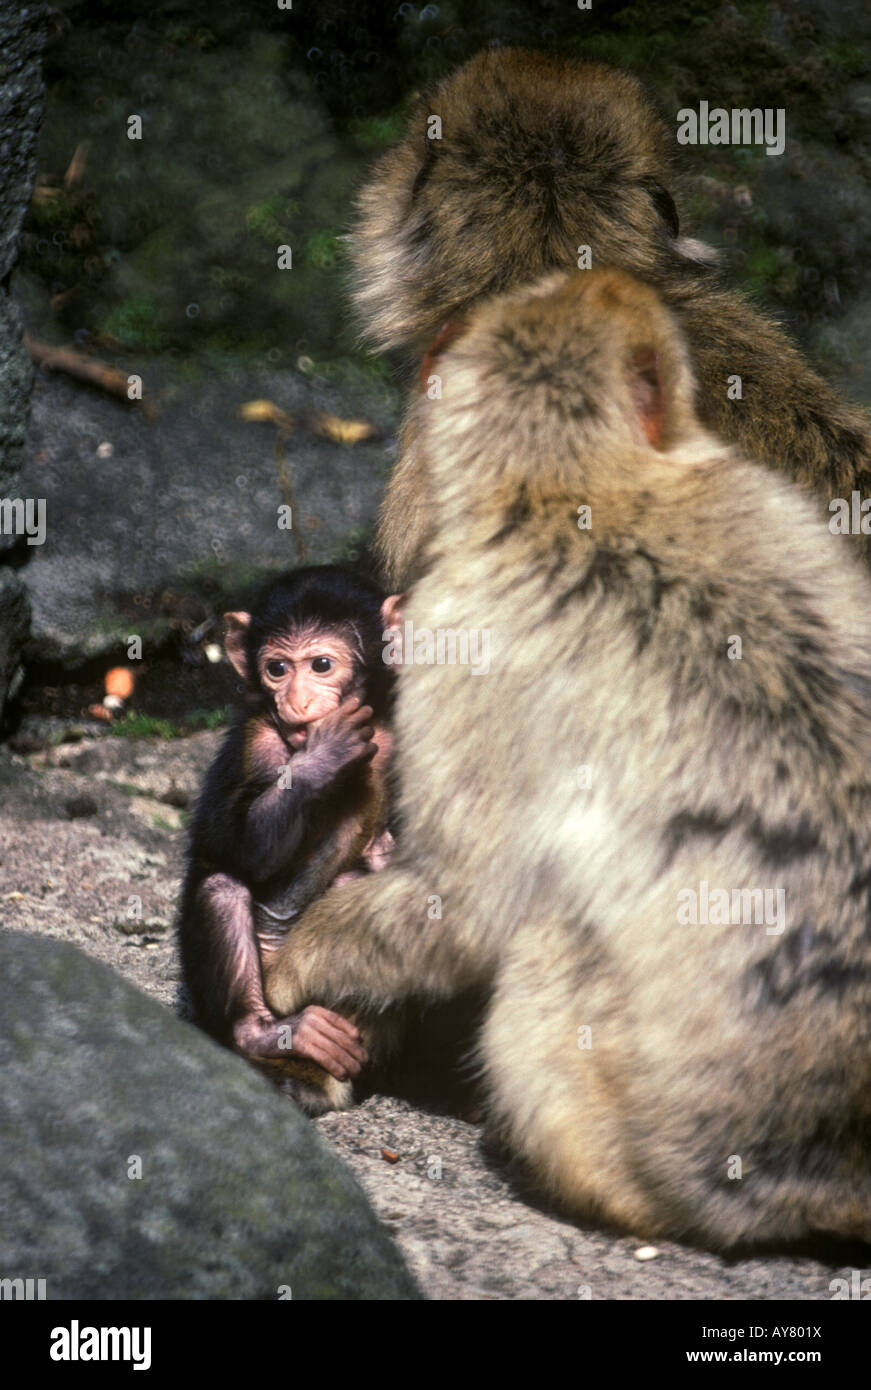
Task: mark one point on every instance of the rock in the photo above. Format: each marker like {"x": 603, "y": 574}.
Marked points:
{"x": 22, "y": 36}
{"x": 14, "y": 627}
{"x": 188, "y": 504}
{"x": 16, "y": 379}
{"x": 138, "y": 1160}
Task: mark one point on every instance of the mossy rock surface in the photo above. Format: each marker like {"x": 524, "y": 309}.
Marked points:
{"x": 142, "y": 1161}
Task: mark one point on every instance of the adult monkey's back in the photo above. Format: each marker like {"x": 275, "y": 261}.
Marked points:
{"x": 679, "y": 1070}
{"x": 539, "y": 156}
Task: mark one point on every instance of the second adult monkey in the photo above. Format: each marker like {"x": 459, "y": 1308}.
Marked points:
{"x": 295, "y": 801}
{"x": 536, "y": 158}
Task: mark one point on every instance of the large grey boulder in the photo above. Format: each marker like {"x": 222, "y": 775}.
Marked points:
{"x": 22, "y": 37}
{"x": 237, "y": 1199}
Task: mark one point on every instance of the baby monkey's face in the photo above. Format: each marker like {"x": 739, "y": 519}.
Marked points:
{"x": 307, "y": 673}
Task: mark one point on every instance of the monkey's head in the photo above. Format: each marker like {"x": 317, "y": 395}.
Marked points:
{"x": 579, "y": 384}
{"x": 313, "y": 637}
{"x": 532, "y": 158}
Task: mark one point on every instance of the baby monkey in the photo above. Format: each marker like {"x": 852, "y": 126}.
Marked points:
{"x": 295, "y": 801}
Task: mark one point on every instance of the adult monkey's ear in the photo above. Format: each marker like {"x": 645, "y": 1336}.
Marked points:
{"x": 391, "y": 610}
{"x": 235, "y": 641}
{"x": 644, "y": 378}
{"x": 447, "y": 334}
{"x": 391, "y": 616}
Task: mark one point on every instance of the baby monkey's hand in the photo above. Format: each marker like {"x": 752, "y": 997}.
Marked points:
{"x": 343, "y": 737}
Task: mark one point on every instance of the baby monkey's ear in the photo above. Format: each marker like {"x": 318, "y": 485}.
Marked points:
{"x": 235, "y": 639}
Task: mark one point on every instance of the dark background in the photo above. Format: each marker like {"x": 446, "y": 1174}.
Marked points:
{"x": 159, "y": 257}
{"x": 259, "y": 124}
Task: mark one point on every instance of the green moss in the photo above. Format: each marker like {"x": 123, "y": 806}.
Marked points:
{"x": 144, "y": 726}
{"x": 134, "y": 725}
{"x": 376, "y": 132}
{"x": 762, "y": 267}
{"x": 268, "y": 219}
{"x": 207, "y": 718}
{"x": 135, "y": 322}
{"x": 322, "y": 250}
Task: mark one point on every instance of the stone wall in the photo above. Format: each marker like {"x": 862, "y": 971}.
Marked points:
{"x": 22, "y": 37}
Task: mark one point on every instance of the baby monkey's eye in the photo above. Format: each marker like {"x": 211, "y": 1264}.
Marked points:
{"x": 321, "y": 664}
{"x": 276, "y": 669}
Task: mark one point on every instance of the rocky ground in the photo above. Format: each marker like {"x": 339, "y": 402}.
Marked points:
{"x": 91, "y": 834}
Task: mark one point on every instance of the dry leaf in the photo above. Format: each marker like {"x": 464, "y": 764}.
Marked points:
{"x": 341, "y": 431}
{"x": 266, "y": 411}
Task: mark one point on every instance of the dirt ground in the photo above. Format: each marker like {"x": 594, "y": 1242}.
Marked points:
{"x": 88, "y": 826}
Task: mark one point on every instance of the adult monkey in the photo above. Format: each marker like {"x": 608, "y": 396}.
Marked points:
{"x": 539, "y": 156}
{"x": 678, "y": 1036}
